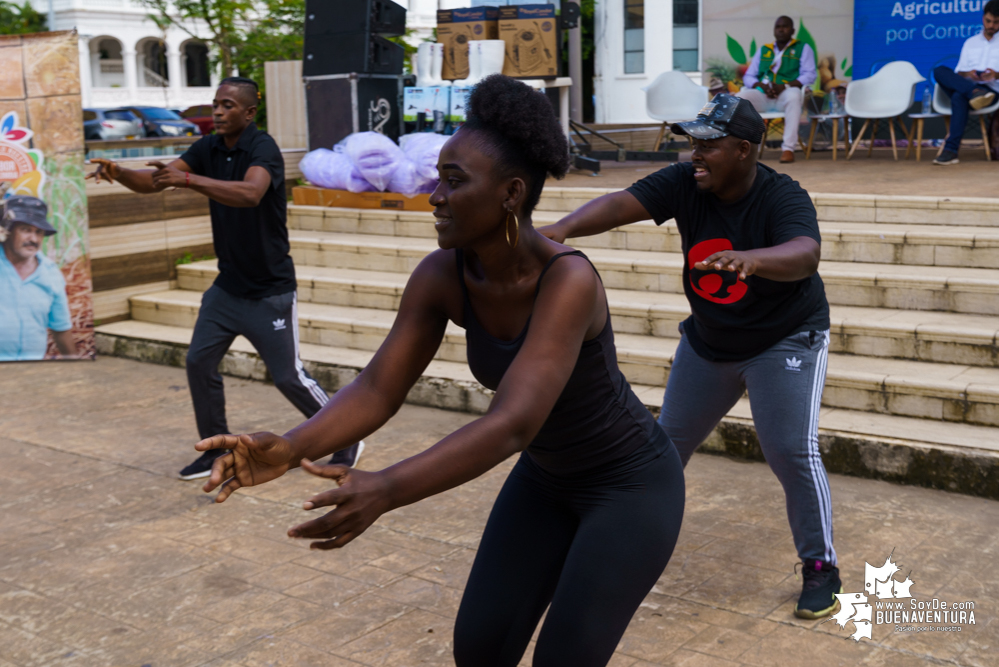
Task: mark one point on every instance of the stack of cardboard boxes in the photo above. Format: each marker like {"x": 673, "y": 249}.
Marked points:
{"x": 530, "y": 33}
{"x": 532, "y": 52}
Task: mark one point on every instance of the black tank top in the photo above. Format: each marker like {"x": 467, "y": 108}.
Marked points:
{"x": 596, "y": 420}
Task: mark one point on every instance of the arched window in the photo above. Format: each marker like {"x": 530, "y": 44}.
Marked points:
{"x": 196, "y": 64}
{"x": 152, "y": 61}
{"x": 107, "y": 67}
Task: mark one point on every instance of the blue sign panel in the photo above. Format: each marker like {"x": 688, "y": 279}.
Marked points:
{"x": 927, "y": 34}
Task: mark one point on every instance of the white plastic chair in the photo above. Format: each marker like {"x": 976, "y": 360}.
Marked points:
{"x": 941, "y": 104}
{"x": 672, "y": 98}
{"x": 888, "y": 93}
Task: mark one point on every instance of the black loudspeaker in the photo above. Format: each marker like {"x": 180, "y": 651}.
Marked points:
{"x": 380, "y": 17}
{"x": 343, "y": 36}
{"x": 342, "y": 53}
{"x": 341, "y": 104}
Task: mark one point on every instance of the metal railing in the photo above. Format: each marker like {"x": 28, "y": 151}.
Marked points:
{"x": 139, "y": 148}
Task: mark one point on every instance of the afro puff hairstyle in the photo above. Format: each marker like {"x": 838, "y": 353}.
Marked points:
{"x": 519, "y": 125}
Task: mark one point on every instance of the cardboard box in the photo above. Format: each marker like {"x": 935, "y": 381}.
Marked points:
{"x": 456, "y": 28}
{"x": 426, "y": 100}
{"x": 459, "y": 100}
{"x": 531, "y": 36}
{"x": 312, "y": 196}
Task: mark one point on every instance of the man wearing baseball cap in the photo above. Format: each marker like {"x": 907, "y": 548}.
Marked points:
{"x": 32, "y": 288}
{"x": 760, "y": 319}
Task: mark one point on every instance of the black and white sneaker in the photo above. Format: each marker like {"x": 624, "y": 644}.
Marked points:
{"x": 947, "y": 157}
{"x": 348, "y": 457}
{"x": 202, "y": 466}
{"x": 819, "y": 589}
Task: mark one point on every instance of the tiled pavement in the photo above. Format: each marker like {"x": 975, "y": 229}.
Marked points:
{"x": 107, "y": 559}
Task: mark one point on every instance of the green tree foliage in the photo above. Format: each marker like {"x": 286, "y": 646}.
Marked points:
{"x": 226, "y": 21}
{"x": 276, "y": 33}
{"x": 242, "y": 34}
{"x": 22, "y": 19}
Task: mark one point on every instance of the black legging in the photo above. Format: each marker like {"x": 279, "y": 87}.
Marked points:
{"x": 592, "y": 548}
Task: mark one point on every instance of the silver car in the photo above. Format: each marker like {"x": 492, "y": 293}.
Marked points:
{"x": 111, "y": 125}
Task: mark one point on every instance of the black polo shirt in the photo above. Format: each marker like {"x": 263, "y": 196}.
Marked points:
{"x": 251, "y": 243}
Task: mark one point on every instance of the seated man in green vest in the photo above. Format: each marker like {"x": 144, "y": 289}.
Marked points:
{"x": 775, "y": 77}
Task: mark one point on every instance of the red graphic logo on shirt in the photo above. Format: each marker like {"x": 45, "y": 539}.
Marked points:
{"x": 708, "y": 284}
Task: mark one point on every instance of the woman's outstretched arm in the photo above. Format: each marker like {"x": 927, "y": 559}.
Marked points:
{"x": 361, "y": 407}
{"x": 570, "y": 302}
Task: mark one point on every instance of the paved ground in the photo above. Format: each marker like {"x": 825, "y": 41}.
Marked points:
{"x": 880, "y": 174}
{"x": 107, "y": 559}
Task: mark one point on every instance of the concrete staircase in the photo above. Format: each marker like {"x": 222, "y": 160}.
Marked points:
{"x": 912, "y": 392}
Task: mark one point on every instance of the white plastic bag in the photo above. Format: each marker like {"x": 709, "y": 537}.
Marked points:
{"x": 375, "y": 156}
{"x": 329, "y": 169}
{"x": 424, "y": 149}
{"x": 405, "y": 180}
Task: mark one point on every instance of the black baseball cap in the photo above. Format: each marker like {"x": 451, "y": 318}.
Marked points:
{"x": 726, "y": 115}
{"x": 27, "y": 210}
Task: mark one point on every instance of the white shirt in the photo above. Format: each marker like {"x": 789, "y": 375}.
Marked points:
{"x": 806, "y": 68}
{"x": 979, "y": 54}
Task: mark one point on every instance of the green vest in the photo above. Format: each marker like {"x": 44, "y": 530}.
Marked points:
{"x": 790, "y": 62}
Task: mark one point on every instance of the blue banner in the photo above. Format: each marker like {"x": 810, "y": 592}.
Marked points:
{"x": 927, "y": 34}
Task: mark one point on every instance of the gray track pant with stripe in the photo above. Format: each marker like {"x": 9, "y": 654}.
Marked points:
{"x": 785, "y": 391}
{"x": 271, "y": 326}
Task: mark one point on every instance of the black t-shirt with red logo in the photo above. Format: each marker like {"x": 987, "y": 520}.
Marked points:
{"x": 734, "y": 319}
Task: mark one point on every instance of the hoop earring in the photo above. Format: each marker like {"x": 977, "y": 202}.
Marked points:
{"x": 516, "y": 228}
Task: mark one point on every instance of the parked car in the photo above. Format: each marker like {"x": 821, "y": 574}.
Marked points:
{"x": 159, "y": 122}
{"x": 111, "y": 125}
{"x": 201, "y": 116}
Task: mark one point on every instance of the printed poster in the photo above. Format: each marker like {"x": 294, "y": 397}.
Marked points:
{"x": 46, "y": 310}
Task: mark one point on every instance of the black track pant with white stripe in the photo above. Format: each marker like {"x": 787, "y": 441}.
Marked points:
{"x": 271, "y": 326}
{"x": 785, "y": 392}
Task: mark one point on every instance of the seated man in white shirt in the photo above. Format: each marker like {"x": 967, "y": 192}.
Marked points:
{"x": 775, "y": 77}
{"x": 973, "y": 85}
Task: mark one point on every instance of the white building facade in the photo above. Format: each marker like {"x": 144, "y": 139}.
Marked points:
{"x": 636, "y": 41}
{"x": 126, "y": 60}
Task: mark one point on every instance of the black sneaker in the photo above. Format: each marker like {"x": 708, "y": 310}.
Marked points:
{"x": 202, "y": 466}
{"x": 348, "y": 457}
{"x": 818, "y": 591}
{"x": 947, "y": 157}
{"x": 981, "y": 100}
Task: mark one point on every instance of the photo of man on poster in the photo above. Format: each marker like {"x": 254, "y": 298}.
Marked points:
{"x": 32, "y": 288}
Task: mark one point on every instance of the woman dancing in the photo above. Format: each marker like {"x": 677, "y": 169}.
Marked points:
{"x": 590, "y": 513}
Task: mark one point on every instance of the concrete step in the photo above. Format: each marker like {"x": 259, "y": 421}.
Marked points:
{"x": 918, "y": 245}
{"x": 890, "y": 209}
{"x": 949, "y": 289}
{"x": 956, "y": 457}
{"x": 949, "y": 392}
{"x": 879, "y": 332}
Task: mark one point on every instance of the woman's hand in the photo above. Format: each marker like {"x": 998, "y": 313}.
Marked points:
{"x": 253, "y": 459}
{"x": 361, "y": 497}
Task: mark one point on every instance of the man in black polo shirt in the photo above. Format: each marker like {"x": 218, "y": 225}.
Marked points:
{"x": 760, "y": 319}
{"x": 241, "y": 170}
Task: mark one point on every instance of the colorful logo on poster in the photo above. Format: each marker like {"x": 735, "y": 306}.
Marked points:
{"x": 19, "y": 165}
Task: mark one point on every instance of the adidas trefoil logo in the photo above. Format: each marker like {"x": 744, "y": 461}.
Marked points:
{"x": 793, "y": 364}
{"x": 278, "y": 324}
